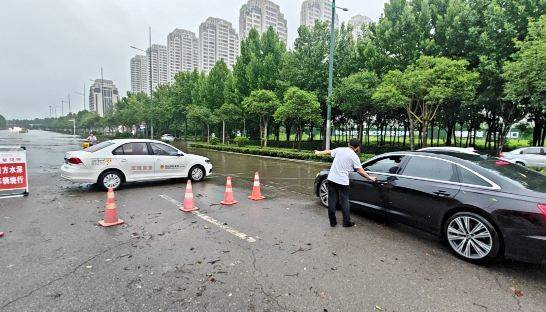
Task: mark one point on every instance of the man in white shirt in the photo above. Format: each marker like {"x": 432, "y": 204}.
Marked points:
{"x": 345, "y": 161}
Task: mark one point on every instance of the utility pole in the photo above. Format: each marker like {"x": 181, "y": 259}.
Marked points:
{"x": 331, "y": 74}
{"x": 62, "y": 107}
{"x": 69, "y": 108}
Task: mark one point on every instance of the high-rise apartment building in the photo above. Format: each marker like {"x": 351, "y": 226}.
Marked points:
{"x": 103, "y": 94}
{"x": 217, "y": 40}
{"x": 357, "y": 22}
{"x": 182, "y": 52}
{"x": 261, "y": 14}
{"x": 159, "y": 64}
{"x": 140, "y": 74}
{"x": 316, "y": 10}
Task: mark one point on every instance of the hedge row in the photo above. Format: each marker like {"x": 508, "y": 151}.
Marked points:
{"x": 274, "y": 152}
{"x": 318, "y": 145}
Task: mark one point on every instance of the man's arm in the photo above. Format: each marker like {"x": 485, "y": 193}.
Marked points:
{"x": 363, "y": 173}
{"x": 324, "y": 152}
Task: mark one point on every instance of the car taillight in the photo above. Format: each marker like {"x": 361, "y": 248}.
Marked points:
{"x": 542, "y": 208}
{"x": 75, "y": 160}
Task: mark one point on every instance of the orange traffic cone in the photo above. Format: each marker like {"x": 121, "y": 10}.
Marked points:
{"x": 110, "y": 212}
{"x": 256, "y": 193}
{"x": 188, "y": 199}
{"x": 228, "y": 196}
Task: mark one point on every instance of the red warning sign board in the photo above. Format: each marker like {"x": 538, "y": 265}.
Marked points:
{"x": 13, "y": 170}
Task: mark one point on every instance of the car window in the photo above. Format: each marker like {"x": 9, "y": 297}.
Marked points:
{"x": 430, "y": 168}
{"x": 532, "y": 150}
{"x": 98, "y": 147}
{"x": 523, "y": 176}
{"x": 163, "y": 150}
{"x": 137, "y": 148}
{"x": 389, "y": 164}
{"x": 468, "y": 177}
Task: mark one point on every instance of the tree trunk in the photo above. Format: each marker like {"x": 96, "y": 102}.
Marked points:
{"x": 405, "y": 134}
{"x": 265, "y": 132}
{"x": 208, "y": 133}
{"x": 502, "y": 138}
{"x": 287, "y": 128}
{"x": 411, "y": 133}
{"x": 432, "y": 133}
{"x": 424, "y": 129}
{"x": 438, "y": 136}
{"x": 223, "y": 132}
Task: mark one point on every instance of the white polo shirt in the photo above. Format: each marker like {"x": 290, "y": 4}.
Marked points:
{"x": 345, "y": 162}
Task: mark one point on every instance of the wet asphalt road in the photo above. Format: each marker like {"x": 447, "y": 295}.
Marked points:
{"x": 55, "y": 258}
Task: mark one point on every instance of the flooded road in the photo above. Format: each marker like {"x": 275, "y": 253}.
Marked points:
{"x": 54, "y": 256}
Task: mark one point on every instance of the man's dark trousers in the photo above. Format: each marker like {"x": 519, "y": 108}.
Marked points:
{"x": 338, "y": 197}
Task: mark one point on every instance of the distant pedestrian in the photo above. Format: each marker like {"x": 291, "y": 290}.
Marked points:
{"x": 92, "y": 139}
{"x": 345, "y": 161}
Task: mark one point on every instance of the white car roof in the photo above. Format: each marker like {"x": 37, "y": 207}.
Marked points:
{"x": 121, "y": 141}
{"x": 467, "y": 150}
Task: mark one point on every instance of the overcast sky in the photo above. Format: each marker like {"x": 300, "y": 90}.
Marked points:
{"x": 50, "y": 48}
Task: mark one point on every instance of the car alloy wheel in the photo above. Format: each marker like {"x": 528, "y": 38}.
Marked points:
{"x": 197, "y": 174}
{"x": 111, "y": 180}
{"x": 471, "y": 237}
{"x": 323, "y": 193}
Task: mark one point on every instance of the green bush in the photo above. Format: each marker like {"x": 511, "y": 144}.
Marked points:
{"x": 241, "y": 141}
{"x": 273, "y": 152}
{"x": 214, "y": 141}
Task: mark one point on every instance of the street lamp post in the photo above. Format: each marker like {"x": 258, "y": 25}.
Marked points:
{"x": 331, "y": 73}
{"x": 149, "y": 72}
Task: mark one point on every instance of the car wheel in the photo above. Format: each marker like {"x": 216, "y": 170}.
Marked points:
{"x": 472, "y": 237}
{"x": 323, "y": 192}
{"x": 110, "y": 179}
{"x": 197, "y": 173}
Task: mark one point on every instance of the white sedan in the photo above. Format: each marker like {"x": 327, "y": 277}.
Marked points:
{"x": 111, "y": 163}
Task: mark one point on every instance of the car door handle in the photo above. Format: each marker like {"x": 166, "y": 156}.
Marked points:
{"x": 124, "y": 160}
{"x": 442, "y": 193}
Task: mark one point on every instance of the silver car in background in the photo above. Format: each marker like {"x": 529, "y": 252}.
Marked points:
{"x": 527, "y": 156}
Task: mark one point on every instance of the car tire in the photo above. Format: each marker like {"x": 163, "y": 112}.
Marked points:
{"x": 323, "y": 193}
{"x": 110, "y": 179}
{"x": 472, "y": 238}
{"x": 197, "y": 173}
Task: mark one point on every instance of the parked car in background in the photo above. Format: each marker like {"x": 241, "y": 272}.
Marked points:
{"x": 527, "y": 156}
{"x": 112, "y": 163}
{"x": 168, "y": 137}
{"x": 481, "y": 206}
{"x": 466, "y": 150}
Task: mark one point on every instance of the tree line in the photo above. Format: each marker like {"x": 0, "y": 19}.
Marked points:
{"x": 431, "y": 67}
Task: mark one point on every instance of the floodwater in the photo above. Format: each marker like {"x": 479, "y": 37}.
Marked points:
{"x": 45, "y": 153}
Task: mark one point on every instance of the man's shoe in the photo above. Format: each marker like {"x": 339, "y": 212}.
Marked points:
{"x": 349, "y": 224}
{"x": 332, "y": 224}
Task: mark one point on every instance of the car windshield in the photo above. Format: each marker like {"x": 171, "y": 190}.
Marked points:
{"x": 98, "y": 147}
{"x": 527, "y": 178}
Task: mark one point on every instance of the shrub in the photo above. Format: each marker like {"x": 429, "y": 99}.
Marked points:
{"x": 273, "y": 152}
{"x": 214, "y": 141}
{"x": 241, "y": 141}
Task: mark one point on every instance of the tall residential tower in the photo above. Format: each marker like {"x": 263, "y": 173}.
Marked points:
{"x": 139, "y": 74}
{"x": 182, "y": 52}
{"x": 217, "y": 40}
{"x": 357, "y": 22}
{"x": 316, "y": 10}
{"x": 261, "y": 14}
{"x": 159, "y": 64}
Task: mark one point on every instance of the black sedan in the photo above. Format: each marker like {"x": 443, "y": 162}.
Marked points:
{"x": 483, "y": 207}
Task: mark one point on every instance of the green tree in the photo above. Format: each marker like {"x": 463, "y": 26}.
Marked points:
{"x": 3, "y": 123}
{"x": 423, "y": 88}
{"x": 200, "y": 115}
{"x": 262, "y": 103}
{"x": 525, "y": 77}
{"x": 299, "y": 108}
{"x": 354, "y": 95}
{"x": 229, "y": 114}
{"x": 215, "y": 85}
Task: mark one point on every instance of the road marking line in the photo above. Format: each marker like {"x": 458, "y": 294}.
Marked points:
{"x": 211, "y": 220}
